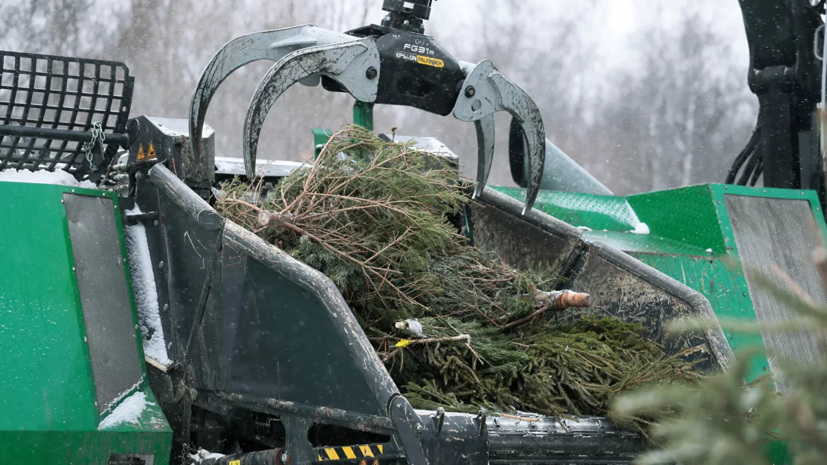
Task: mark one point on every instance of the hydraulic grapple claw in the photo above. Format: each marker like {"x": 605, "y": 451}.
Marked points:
{"x": 353, "y": 65}
{"x": 267, "y": 45}
{"x": 485, "y": 92}
{"x": 392, "y": 64}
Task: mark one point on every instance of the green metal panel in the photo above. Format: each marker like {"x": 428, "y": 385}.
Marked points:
{"x": 47, "y": 382}
{"x": 686, "y": 215}
{"x": 320, "y": 138}
{"x": 47, "y": 392}
{"x": 597, "y": 212}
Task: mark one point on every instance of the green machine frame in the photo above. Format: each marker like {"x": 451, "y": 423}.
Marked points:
{"x": 49, "y": 410}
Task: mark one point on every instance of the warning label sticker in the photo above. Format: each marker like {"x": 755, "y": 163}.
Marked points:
{"x": 406, "y": 56}
{"x": 435, "y": 62}
{"x": 148, "y": 155}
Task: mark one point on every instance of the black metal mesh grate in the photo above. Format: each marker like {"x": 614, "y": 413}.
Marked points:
{"x": 61, "y": 93}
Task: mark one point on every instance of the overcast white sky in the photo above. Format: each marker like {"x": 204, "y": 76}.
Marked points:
{"x": 612, "y": 22}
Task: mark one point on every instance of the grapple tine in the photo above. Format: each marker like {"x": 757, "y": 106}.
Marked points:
{"x": 267, "y": 45}
{"x": 347, "y": 63}
{"x": 486, "y": 91}
{"x": 525, "y": 111}
{"x": 485, "y": 148}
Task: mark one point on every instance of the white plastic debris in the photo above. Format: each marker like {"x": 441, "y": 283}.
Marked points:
{"x": 129, "y": 411}
{"x": 43, "y": 177}
{"x": 146, "y": 296}
{"x": 414, "y": 327}
{"x": 642, "y": 229}
{"x": 202, "y": 455}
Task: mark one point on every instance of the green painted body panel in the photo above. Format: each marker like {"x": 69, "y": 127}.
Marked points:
{"x": 47, "y": 390}
{"x": 598, "y": 212}
{"x": 686, "y": 215}
{"x": 320, "y": 138}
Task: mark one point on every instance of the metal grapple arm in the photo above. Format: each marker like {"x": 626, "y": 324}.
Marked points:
{"x": 393, "y": 64}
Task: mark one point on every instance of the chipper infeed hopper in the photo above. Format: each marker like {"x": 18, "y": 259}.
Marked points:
{"x": 267, "y": 354}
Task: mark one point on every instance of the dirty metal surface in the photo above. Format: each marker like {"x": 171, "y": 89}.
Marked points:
{"x": 625, "y": 288}
{"x": 105, "y": 297}
{"x": 534, "y": 240}
{"x": 267, "y": 45}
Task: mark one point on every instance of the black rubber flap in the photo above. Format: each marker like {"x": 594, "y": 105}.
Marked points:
{"x": 107, "y": 312}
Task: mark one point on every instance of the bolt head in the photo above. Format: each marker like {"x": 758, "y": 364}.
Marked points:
{"x": 371, "y": 73}
{"x": 470, "y": 91}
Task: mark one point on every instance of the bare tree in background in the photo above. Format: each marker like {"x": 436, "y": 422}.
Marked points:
{"x": 680, "y": 118}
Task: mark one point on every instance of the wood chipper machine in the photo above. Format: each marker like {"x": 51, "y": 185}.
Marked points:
{"x": 163, "y": 328}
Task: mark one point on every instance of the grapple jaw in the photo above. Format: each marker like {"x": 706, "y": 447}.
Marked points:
{"x": 376, "y": 64}
{"x": 354, "y": 65}
{"x": 268, "y": 45}
{"x": 485, "y": 92}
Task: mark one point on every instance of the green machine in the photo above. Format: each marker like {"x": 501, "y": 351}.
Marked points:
{"x": 206, "y": 338}
{"x": 74, "y": 389}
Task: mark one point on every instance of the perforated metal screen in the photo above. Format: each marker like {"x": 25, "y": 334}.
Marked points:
{"x": 777, "y": 237}
{"x": 53, "y": 92}
{"x": 107, "y": 310}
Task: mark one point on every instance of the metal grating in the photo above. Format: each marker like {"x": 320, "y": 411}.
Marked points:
{"x": 783, "y": 233}
{"x": 60, "y": 93}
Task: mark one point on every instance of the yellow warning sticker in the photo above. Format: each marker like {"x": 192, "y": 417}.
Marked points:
{"x": 428, "y": 61}
{"x": 151, "y": 152}
{"x": 235, "y": 462}
{"x": 141, "y": 154}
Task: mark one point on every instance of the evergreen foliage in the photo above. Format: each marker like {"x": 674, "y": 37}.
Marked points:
{"x": 380, "y": 227}
{"x": 723, "y": 421}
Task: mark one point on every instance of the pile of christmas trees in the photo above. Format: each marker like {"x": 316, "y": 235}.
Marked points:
{"x": 454, "y": 325}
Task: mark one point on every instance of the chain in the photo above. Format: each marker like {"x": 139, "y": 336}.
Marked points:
{"x": 97, "y": 137}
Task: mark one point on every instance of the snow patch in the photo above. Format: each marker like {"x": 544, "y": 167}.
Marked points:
{"x": 129, "y": 411}
{"x": 146, "y": 295}
{"x": 642, "y": 229}
{"x": 202, "y": 455}
{"x": 43, "y": 177}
